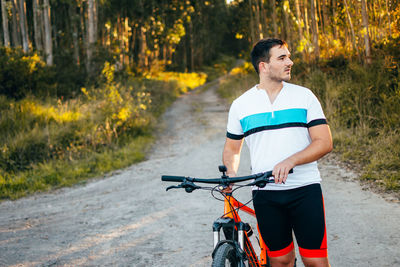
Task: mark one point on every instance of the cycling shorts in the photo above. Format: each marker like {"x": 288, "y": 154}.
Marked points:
{"x": 301, "y": 210}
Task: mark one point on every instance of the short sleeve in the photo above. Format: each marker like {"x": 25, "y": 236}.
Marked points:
{"x": 234, "y": 128}
{"x": 315, "y": 114}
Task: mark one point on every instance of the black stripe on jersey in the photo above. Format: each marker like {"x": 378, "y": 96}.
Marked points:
{"x": 316, "y": 122}
{"x": 234, "y": 136}
{"x": 275, "y": 127}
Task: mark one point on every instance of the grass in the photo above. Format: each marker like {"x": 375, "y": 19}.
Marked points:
{"x": 362, "y": 105}
{"x": 60, "y": 173}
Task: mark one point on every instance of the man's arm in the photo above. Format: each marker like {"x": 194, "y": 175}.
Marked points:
{"x": 231, "y": 155}
{"x": 321, "y": 144}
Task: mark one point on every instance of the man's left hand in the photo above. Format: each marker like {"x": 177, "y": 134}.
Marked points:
{"x": 281, "y": 171}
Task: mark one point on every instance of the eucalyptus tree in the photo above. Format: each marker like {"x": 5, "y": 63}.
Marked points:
{"x": 4, "y": 16}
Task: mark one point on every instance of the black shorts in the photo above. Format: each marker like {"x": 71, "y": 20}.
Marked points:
{"x": 301, "y": 210}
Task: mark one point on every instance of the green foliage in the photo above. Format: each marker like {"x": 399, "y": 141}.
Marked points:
{"x": 239, "y": 80}
{"x": 219, "y": 67}
{"x": 22, "y": 73}
{"x": 362, "y": 104}
{"x": 52, "y": 142}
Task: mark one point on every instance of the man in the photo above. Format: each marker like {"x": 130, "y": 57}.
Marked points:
{"x": 285, "y": 128}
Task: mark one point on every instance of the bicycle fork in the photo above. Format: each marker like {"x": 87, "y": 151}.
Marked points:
{"x": 227, "y": 222}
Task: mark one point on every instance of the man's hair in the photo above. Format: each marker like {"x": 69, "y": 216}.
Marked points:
{"x": 260, "y": 52}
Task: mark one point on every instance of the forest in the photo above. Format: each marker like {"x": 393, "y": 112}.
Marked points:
{"x": 83, "y": 82}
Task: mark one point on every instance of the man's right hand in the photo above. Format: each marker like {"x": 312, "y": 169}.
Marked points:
{"x": 228, "y": 189}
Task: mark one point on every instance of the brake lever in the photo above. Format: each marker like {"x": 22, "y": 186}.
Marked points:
{"x": 261, "y": 182}
{"x": 189, "y": 186}
{"x": 173, "y": 187}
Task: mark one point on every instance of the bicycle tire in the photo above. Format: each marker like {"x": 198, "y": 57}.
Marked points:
{"x": 225, "y": 256}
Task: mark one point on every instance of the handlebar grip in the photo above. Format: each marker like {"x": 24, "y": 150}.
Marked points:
{"x": 168, "y": 178}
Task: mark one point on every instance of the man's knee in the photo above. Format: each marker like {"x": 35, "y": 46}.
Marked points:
{"x": 316, "y": 262}
{"x": 283, "y": 261}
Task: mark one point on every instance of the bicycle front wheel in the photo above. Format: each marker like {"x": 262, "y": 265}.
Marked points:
{"x": 225, "y": 256}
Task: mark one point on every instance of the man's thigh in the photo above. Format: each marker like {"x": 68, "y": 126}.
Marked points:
{"x": 273, "y": 222}
{"x": 308, "y": 219}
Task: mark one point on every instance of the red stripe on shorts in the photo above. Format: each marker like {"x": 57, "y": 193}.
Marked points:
{"x": 282, "y": 252}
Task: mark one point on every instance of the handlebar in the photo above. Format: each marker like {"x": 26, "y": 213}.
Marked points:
{"x": 222, "y": 180}
{"x": 260, "y": 180}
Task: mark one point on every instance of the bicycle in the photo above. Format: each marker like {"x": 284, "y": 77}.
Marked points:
{"x": 236, "y": 249}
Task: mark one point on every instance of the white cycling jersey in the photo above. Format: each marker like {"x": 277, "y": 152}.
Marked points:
{"x": 273, "y": 132}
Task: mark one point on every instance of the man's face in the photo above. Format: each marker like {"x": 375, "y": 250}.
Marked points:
{"x": 279, "y": 66}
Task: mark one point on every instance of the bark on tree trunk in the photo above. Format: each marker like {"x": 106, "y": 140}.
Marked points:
{"x": 366, "y": 31}
{"x": 314, "y": 29}
{"x": 273, "y": 16}
{"x": 299, "y": 20}
{"x": 263, "y": 19}
{"x": 286, "y": 10}
{"x": 258, "y": 22}
{"x": 22, "y": 24}
{"x": 335, "y": 20}
{"x": 191, "y": 46}
{"x": 306, "y": 25}
{"x": 324, "y": 11}
{"x": 47, "y": 30}
{"x": 120, "y": 41}
{"x": 126, "y": 41}
{"x": 388, "y": 14}
{"x": 4, "y": 16}
{"x": 91, "y": 35}
{"x": 74, "y": 23}
{"x": 353, "y": 35}
{"x": 36, "y": 25}
{"x": 15, "y": 33}
{"x": 142, "y": 47}
{"x": 252, "y": 27}
{"x": 95, "y": 20}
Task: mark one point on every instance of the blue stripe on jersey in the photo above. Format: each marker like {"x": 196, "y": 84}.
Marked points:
{"x": 286, "y": 116}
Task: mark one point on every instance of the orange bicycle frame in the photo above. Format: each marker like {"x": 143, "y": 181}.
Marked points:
{"x": 230, "y": 206}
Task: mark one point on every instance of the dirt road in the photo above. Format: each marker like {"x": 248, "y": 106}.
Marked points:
{"x": 129, "y": 220}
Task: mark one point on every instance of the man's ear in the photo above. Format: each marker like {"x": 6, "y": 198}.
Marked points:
{"x": 262, "y": 66}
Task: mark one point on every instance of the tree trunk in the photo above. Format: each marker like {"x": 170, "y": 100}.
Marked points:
{"x": 74, "y": 25}
{"x": 389, "y": 21}
{"x": 353, "y": 35}
{"x": 366, "y": 31}
{"x": 335, "y": 20}
{"x": 16, "y": 38}
{"x": 48, "y": 44}
{"x": 95, "y": 20}
{"x": 191, "y": 41}
{"x": 314, "y": 29}
{"x": 142, "y": 47}
{"x": 83, "y": 27}
{"x": 90, "y": 35}
{"x": 23, "y": 27}
{"x": 126, "y": 40}
{"x": 299, "y": 20}
{"x": 273, "y": 16}
{"x": 263, "y": 19}
{"x": 252, "y": 24}
{"x": 306, "y": 18}
{"x": 286, "y": 10}
{"x": 259, "y": 34}
{"x": 4, "y": 17}
{"x": 36, "y": 25}
{"x": 325, "y": 14}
